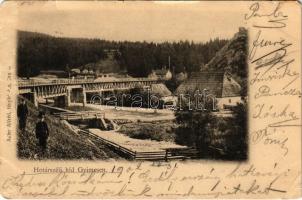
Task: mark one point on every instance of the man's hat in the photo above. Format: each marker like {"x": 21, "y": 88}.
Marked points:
{"x": 41, "y": 114}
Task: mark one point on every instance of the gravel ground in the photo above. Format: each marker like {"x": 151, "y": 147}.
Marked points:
{"x": 135, "y": 144}
{"x": 134, "y": 114}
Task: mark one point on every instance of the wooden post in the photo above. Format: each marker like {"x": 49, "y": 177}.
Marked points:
{"x": 67, "y": 98}
{"x": 34, "y": 99}
{"x": 84, "y": 97}
{"x": 166, "y": 157}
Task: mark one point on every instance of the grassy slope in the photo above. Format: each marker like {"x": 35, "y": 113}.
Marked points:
{"x": 157, "y": 130}
{"x": 160, "y": 131}
{"x": 62, "y": 143}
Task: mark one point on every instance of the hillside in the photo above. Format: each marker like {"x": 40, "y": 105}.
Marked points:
{"x": 232, "y": 58}
{"x": 106, "y": 65}
{"x": 37, "y": 52}
{"x": 62, "y": 143}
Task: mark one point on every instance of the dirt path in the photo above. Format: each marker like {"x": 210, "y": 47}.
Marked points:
{"x": 134, "y": 114}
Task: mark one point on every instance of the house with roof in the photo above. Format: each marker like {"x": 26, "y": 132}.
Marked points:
{"x": 75, "y": 71}
{"x": 53, "y": 74}
{"x": 162, "y": 74}
{"x": 181, "y": 76}
{"x": 168, "y": 100}
{"x": 217, "y": 84}
{"x": 107, "y": 67}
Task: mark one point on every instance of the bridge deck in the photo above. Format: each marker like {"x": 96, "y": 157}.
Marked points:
{"x": 30, "y": 83}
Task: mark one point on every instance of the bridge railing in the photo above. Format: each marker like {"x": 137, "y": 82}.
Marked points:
{"x": 26, "y": 83}
{"x": 80, "y": 115}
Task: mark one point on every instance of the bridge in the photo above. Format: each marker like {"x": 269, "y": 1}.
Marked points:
{"x": 64, "y": 90}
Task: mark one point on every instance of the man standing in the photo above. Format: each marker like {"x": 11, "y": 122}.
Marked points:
{"x": 42, "y": 132}
{"x": 22, "y": 113}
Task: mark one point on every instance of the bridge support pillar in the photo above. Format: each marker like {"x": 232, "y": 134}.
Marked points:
{"x": 84, "y": 97}
{"x": 60, "y": 101}
{"x": 101, "y": 97}
{"x": 67, "y": 98}
{"x": 33, "y": 98}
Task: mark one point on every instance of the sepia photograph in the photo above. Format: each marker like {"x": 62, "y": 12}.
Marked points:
{"x": 150, "y": 97}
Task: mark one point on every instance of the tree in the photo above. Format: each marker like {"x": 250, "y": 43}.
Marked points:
{"x": 195, "y": 129}
{"x": 67, "y": 69}
{"x": 45, "y": 52}
{"x": 238, "y": 143}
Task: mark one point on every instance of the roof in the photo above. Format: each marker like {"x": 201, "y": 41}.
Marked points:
{"x": 217, "y": 83}
{"x": 75, "y": 70}
{"x": 181, "y": 76}
{"x": 161, "y": 71}
{"x": 52, "y": 71}
{"x": 160, "y": 89}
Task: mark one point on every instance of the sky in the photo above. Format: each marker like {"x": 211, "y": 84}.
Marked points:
{"x": 134, "y": 21}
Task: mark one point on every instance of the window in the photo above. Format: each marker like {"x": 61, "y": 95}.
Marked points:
{"x": 230, "y": 100}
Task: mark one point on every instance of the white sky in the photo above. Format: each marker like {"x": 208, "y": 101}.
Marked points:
{"x": 134, "y": 21}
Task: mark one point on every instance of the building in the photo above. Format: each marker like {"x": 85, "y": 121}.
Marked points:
{"x": 84, "y": 73}
{"x": 162, "y": 74}
{"x": 53, "y": 74}
{"x": 217, "y": 84}
{"x": 182, "y": 76}
{"x": 161, "y": 91}
{"x": 75, "y": 71}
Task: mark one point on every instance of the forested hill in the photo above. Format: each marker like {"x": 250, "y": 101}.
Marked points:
{"x": 232, "y": 58}
{"x": 38, "y": 52}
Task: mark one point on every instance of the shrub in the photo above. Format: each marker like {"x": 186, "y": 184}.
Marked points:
{"x": 195, "y": 129}
{"x": 215, "y": 137}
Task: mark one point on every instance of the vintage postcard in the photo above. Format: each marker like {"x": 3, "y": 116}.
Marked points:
{"x": 196, "y": 99}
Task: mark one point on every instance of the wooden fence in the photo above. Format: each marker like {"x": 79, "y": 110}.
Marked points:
{"x": 79, "y": 115}
{"x": 53, "y": 110}
{"x": 168, "y": 154}
{"x": 112, "y": 145}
